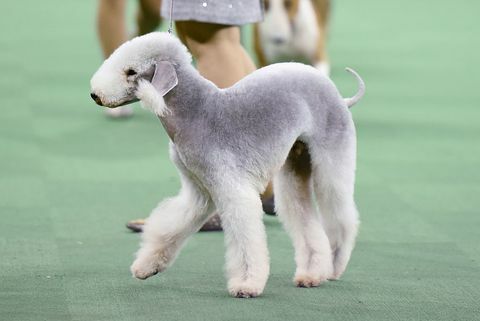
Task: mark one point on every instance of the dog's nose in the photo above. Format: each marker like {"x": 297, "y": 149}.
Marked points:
{"x": 278, "y": 40}
{"x": 96, "y": 98}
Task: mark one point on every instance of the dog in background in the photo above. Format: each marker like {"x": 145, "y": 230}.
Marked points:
{"x": 293, "y": 30}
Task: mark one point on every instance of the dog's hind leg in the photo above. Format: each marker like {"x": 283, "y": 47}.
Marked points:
{"x": 295, "y": 208}
{"x": 334, "y": 184}
{"x": 247, "y": 263}
{"x": 170, "y": 224}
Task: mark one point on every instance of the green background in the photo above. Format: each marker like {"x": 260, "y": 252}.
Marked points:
{"x": 70, "y": 178}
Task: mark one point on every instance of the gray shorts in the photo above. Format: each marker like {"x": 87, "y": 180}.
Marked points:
{"x": 225, "y": 12}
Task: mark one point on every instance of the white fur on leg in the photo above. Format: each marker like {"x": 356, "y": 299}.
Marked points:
{"x": 167, "y": 229}
{"x": 247, "y": 261}
{"x": 293, "y": 202}
{"x": 341, "y": 219}
{"x": 334, "y": 187}
{"x": 151, "y": 99}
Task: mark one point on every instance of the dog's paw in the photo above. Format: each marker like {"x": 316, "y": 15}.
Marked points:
{"x": 244, "y": 289}
{"x": 313, "y": 277}
{"x": 337, "y": 272}
{"x": 145, "y": 267}
{"x": 335, "y": 276}
{"x": 308, "y": 281}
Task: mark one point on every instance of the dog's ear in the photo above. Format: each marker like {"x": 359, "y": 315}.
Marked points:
{"x": 165, "y": 77}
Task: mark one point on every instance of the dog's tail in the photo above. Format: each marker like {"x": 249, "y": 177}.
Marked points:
{"x": 361, "y": 89}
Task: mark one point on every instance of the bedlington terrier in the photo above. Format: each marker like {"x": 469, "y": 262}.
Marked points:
{"x": 286, "y": 121}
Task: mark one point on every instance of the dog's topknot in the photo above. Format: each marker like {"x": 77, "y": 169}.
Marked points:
{"x": 158, "y": 45}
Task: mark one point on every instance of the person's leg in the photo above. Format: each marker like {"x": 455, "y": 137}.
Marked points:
{"x": 112, "y": 32}
{"x": 148, "y": 16}
{"x": 222, "y": 59}
{"x": 217, "y": 49}
{"x": 111, "y": 28}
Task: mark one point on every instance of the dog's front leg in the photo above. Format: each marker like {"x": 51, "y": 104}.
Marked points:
{"x": 167, "y": 228}
{"x": 247, "y": 262}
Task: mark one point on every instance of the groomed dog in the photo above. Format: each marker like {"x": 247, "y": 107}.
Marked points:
{"x": 286, "y": 121}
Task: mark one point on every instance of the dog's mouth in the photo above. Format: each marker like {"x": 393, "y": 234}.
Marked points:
{"x": 122, "y": 103}
{"x": 130, "y": 98}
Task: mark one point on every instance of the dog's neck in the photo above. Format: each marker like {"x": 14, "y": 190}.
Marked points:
{"x": 186, "y": 99}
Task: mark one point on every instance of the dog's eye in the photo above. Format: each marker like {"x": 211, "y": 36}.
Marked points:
{"x": 130, "y": 72}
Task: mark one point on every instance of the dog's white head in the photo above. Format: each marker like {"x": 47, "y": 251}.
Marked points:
{"x": 145, "y": 60}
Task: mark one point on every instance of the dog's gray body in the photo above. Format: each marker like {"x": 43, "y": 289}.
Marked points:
{"x": 285, "y": 121}
{"x": 253, "y": 125}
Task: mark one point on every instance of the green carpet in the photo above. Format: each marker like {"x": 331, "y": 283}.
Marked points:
{"x": 70, "y": 178}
